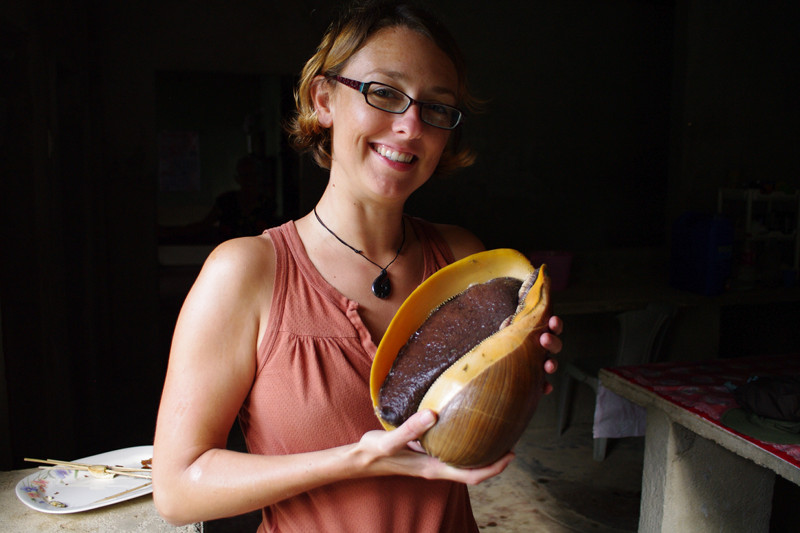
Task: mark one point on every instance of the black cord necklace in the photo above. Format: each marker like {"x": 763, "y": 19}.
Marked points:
{"x": 381, "y": 286}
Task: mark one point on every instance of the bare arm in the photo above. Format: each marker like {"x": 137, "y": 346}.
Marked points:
{"x": 211, "y": 369}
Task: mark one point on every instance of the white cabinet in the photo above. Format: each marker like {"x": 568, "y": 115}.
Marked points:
{"x": 766, "y": 228}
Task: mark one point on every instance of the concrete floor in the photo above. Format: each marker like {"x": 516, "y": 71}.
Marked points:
{"x": 554, "y": 486}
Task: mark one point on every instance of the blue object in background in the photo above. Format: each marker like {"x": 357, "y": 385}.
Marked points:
{"x": 702, "y": 253}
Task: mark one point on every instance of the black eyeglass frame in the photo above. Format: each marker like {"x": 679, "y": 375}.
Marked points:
{"x": 363, "y": 88}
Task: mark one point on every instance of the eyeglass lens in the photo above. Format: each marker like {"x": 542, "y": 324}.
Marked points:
{"x": 392, "y": 100}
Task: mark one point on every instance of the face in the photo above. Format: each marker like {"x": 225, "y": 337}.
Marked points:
{"x": 380, "y": 154}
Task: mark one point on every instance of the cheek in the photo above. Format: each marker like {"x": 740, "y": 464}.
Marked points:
{"x": 444, "y": 140}
{"x": 438, "y": 144}
{"x": 357, "y": 125}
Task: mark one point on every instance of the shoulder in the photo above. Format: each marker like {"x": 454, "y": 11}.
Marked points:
{"x": 461, "y": 241}
{"x": 243, "y": 252}
{"x": 240, "y": 266}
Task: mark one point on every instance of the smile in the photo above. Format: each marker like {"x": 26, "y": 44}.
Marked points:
{"x": 392, "y": 155}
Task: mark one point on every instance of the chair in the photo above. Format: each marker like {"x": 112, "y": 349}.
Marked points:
{"x": 641, "y": 338}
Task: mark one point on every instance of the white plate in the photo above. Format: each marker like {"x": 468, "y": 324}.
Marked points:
{"x": 62, "y": 491}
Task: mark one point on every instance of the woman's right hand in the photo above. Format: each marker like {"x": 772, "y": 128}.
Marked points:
{"x": 399, "y": 452}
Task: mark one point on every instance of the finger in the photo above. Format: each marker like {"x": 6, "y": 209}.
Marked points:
{"x": 417, "y": 447}
{"x": 556, "y": 325}
{"x": 550, "y": 366}
{"x": 473, "y": 476}
{"x": 413, "y": 428}
{"x": 550, "y": 342}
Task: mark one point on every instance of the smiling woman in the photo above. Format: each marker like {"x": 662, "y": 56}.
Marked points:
{"x": 344, "y": 39}
{"x": 365, "y": 132}
{"x": 281, "y": 329}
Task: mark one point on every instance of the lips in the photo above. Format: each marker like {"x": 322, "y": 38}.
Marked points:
{"x": 393, "y": 155}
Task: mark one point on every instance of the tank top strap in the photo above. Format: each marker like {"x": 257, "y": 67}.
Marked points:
{"x": 436, "y": 251}
{"x": 279, "y": 290}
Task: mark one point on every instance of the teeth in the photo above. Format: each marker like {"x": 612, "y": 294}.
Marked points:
{"x": 394, "y": 156}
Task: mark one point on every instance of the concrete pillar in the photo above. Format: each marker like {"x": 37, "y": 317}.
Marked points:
{"x": 690, "y": 483}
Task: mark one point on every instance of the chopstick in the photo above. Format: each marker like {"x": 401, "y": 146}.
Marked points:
{"x": 124, "y": 492}
{"x": 93, "y": 469}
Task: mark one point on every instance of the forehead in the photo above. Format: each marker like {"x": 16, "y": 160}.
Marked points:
{"x": 405, "y": 55}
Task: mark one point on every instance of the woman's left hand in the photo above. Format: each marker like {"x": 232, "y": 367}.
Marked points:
{"x": 552, "y": 343}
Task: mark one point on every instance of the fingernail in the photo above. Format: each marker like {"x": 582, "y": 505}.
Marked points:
{"x": 427, "y": 418}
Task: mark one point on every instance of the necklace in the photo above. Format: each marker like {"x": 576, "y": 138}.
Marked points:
{"x": 381, "y": 286}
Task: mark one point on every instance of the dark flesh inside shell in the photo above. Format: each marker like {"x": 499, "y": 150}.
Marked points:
{"x": 450, "y": 331}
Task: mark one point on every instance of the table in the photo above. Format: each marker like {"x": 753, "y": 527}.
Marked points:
{"x": 698, "y": 474}
{"x": 138, "y": 514}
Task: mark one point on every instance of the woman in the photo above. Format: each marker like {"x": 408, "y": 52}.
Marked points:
{"x": 280, "y": 329}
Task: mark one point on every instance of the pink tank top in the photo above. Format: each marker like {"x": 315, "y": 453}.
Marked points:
{"x": 311, "y": 392}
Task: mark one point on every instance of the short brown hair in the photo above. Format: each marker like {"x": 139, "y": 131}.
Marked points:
{"x": 346, "y": 36}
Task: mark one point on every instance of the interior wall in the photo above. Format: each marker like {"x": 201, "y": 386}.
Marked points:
{"x": 573, "y": 144}
{"x": 12, "y": 64}
{"x": 38, "y": 223}
{"x": 214, "y": 107}
{"x": 5, "y": 422}
{"x": 736, "y": 111}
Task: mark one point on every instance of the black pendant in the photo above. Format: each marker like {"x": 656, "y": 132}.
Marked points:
{"x": 382, "y": 287}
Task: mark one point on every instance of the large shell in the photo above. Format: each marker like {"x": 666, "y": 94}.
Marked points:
{"x": 485, "y": 400}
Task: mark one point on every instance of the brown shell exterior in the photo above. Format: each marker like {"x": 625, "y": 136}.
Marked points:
{"x": 485, "y": 419}
{"x": 485, "y": 400}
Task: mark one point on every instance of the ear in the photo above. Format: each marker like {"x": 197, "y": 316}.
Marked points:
{"x": 321, "y": 96}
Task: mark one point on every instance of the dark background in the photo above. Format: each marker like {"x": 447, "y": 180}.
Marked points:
{"x": 605, "y": 120}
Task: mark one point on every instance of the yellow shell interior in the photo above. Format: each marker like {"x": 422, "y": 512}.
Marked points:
{"x": 440, "y": 287}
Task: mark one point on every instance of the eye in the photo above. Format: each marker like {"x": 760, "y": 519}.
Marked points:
{"x": 385, "y": 93}
{"x": 439, "y": 109}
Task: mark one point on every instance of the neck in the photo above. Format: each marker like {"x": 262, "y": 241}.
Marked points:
{"x": 381, "y": 285}
{"x": 375, "y": 230}
{"x": 360, "y": 251}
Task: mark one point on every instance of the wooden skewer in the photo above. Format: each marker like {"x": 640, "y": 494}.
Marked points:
{"x": 120, "y": 470}
{"x": 117, "y": 495}
{"x": 70, "y": 464}
{"x": 110, "y": 471}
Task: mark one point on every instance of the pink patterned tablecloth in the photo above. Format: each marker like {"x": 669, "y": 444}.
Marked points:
{"x": 699, "y": 387}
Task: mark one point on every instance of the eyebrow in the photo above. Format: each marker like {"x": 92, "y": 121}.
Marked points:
{"x": 399, "y": 76}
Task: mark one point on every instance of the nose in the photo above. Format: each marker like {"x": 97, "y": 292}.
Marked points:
{"x": 409, "y": 123}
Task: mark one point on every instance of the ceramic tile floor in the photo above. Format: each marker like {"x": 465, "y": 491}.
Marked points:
{"x": 553, "y": 486}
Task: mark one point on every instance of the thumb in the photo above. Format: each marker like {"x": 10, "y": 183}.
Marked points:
{"x": 416, "y": 426}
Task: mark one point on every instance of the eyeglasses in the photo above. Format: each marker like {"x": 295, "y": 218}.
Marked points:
{"x": 387, "y": 98}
